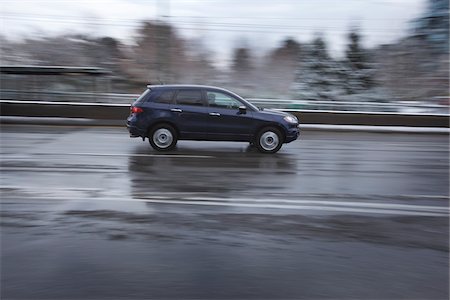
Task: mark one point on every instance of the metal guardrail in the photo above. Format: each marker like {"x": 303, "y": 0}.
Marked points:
{"x": 67, "y": 96}
{"x": 399, "y": 107}
{"x": 285, "y": 104}
{"x": 114, "y": 114}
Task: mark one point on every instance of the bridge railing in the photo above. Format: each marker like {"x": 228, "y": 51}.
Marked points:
{"x": 116, "y": 114}
{"x": 285, "y": 104}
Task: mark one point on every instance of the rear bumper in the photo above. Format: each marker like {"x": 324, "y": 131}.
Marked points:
{"x": 133, "y": 130}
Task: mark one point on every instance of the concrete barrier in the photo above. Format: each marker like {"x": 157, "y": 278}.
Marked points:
{"x": 371, "y": 119}
{"x": 100, "y": 111}
{"x": 115, "y": 113}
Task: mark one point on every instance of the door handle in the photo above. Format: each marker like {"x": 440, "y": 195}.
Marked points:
{"x": 176, "y": 110}
{"x": 214, "y": 114}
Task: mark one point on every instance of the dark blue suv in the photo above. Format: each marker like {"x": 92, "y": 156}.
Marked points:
{"x": 167, "y": 113}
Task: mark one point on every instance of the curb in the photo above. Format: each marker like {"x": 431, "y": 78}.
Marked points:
{"x": 375, "y": 128}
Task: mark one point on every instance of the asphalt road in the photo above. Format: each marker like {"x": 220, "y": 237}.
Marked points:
{"x": 88, "y": 213}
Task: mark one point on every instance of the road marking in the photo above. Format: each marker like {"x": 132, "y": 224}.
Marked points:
{"x": 342, "y": 207}
{"x": 291, "y": 197}
{"x": 282, "y": 206}
{"x": 198, "y": 196}
{"x": 331, "y": 203}
{"x": 411, "y": 212}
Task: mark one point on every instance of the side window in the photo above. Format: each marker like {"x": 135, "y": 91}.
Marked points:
{"x": 217, "y": 99}
{"x": 165, "y": 97}
{"x": 143, "y": 97}
{"x": 189, "y": 97}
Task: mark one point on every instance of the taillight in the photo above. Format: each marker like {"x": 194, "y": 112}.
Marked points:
{"x": 136, "y": 110}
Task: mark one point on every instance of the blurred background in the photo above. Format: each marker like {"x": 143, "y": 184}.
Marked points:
{"x": 357, "y": 208}
{"x": 378, "y": 55}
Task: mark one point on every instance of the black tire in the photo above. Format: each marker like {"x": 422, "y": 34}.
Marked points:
{"x": 269, "y": 140}
{"x": 163, "y": 137}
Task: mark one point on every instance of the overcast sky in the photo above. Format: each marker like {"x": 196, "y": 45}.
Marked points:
{"x": 219, "y": 24}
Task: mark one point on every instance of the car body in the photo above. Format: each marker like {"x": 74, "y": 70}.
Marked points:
{"x": 167, "y": 113}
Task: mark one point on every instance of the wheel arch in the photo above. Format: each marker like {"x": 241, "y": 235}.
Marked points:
{"x": 267, "y": 125}
{"x": 160, "y": 122}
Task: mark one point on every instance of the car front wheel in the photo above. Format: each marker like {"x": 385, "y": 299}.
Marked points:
{"x": 163, "y": 137}
{"x": 269, "y": 140}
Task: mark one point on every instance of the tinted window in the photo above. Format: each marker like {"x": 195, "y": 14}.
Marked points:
{"x": 189, "y": 97}
{"x": 143, "y": 97}
{"x": 165, "y": 97}
{"x": 217, "y": 99}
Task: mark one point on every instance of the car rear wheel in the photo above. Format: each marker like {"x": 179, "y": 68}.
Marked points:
{"x": 269, "y": 140}
{"x": 163, "y": 137}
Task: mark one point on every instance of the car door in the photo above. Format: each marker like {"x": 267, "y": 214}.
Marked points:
{"x": 226, "y": 122}
{"x": 190, "y": 112}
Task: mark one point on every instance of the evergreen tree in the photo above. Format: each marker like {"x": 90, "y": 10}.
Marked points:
{"x": 279, "y": 69}
{"x": 317, "y": 75}
{"x": 242, "y": 67}
{"x": 242, "y": 61}
{"x": 359, "y": 75}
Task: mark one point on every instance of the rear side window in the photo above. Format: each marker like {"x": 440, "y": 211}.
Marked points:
{"x": 189, "y": 97}
{"x": 165, "y": 97}
{"x": 143, "y": 97}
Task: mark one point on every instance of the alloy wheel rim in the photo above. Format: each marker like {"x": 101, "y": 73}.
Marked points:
{"x": 162, "y": 138}
{"x": 269, "y": 140}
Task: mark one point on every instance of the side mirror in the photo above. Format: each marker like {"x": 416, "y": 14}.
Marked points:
{"x": 242, "y": 110}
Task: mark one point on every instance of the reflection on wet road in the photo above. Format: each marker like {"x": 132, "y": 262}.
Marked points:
{"x": 90, "y": 213}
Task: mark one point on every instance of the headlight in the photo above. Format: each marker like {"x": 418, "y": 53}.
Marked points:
{"x": 291, "y": 119}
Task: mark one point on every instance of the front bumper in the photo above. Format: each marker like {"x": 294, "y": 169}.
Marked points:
{"x": 292, "y": 134}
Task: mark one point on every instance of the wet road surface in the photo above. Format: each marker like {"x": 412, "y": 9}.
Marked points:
{"x": 88, "y": 213}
